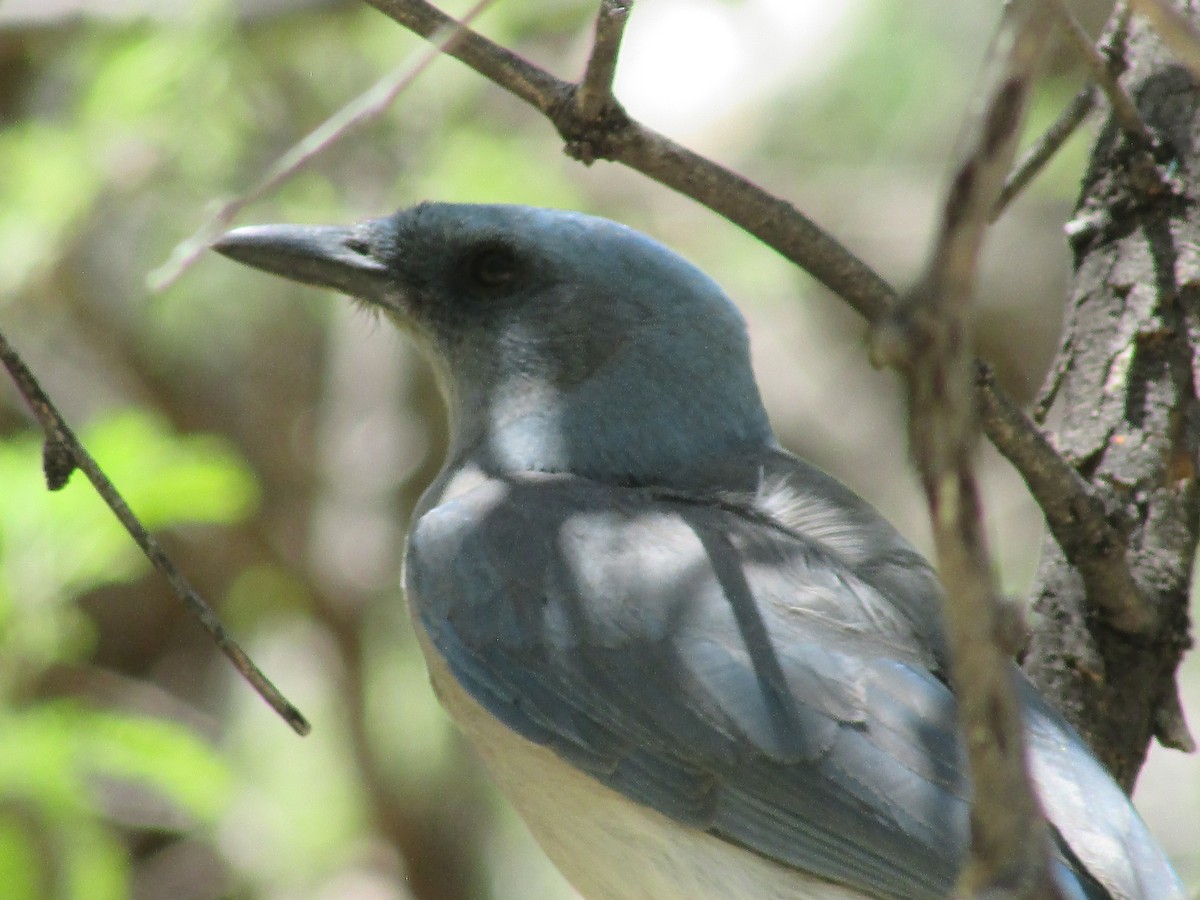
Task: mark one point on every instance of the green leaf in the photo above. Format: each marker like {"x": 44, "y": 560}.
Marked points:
{"x": 50, "y": 754}
{"x": 159, "y": 754}
{"x": 46, "y": 186}
{"x": 168, "y": 479}
{"x": 95, "y": 864}
{"x": 57, "y": 546}
{"x": 21, "y": 862}
{"x": 38, "y": 762}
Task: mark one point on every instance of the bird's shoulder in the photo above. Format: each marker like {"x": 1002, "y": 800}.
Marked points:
{"x": 730, "y": 635}
{"x": 814, "y": 553}
{"x": 816, "y": 559}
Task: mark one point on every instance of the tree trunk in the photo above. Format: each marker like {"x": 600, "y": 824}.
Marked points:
{"x": 1125, "y": 414}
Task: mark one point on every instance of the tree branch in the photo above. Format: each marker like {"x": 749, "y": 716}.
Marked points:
{"x": 1124, "y": 392}
{"x": 1109, "y": 52}
{"x": 1100, "y": 68}
{"x": 62, "y": 454}
{"x": 1075, "y": 512}
{"x": 595, "y": 89}
{"x": 928, "y": 339}
{"x": 1043, "y": 150}
{"x": 618, "y": 138}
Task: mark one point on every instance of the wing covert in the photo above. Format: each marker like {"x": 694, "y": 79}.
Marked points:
{"x": 740, "y": 679}
{"x": 649, "y": 644}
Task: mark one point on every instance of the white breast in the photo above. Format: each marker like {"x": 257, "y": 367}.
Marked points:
{"x": 608, "y": 847}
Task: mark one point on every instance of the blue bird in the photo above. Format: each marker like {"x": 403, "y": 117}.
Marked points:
{"x": 699, "y": 667}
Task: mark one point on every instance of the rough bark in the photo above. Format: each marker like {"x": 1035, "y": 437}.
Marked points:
{"x": 1126, "y": 416}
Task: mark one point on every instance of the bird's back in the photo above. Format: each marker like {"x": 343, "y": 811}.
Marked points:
{"x": 737, "y": 665}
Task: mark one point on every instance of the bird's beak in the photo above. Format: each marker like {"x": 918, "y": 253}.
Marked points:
{"x": 320, "y": 255}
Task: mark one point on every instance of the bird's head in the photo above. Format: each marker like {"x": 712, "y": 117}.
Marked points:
{"x": 564, "y": 342}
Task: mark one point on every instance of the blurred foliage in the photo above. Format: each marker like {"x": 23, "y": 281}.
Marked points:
{"x": 56, "y": 754}
{"x": 53, "y": 552}
{"x": 56, "y": 757}
{"x": 281, "y": 440}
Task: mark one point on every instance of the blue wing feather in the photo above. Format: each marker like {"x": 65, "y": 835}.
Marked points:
{"x": 740, "y": 678}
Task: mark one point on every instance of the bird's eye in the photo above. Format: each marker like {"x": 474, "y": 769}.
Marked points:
{"x": 493, "y": 266}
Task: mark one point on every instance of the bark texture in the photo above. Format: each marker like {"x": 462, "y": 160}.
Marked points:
{"x": 1126, "y": 416}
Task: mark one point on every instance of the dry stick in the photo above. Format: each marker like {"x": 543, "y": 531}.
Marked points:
{"x": 595, "y": 90}
{"x": 1123, "y": 109}
{"x": 1110, "y": 48}
{"x": 1041, "y": 152}
{"x": 928, "y": 339}
{"x": 369, "y": 105}
{"x": 62, "y": 453}
{"x": 1075, "y": 512}
{"x": 616, "y": 137}
{"x": 1176, "y": 30}
{"x": 775, "y": 222}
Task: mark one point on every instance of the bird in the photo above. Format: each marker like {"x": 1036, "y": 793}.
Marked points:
{"x": 698, "y": 666}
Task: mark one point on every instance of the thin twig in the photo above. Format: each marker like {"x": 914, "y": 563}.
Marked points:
{"x": 369, "y": 105}
{"x": 63, "y": 452}
{"x": 776, "y": 222}
{"x": 928, "y": 339}
{"x": 595, "y": 88}
{"x": 1043, "y": 150}
{"x": 1124, "y": 112}
{"x": 1111, "y": 47}
{"x": 1075, "y": 513}
{"x": 1048, "y": 392}
{"x": 1176, "y": 30}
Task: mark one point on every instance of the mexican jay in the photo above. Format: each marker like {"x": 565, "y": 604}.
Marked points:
{"x": 699, "y": 667}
